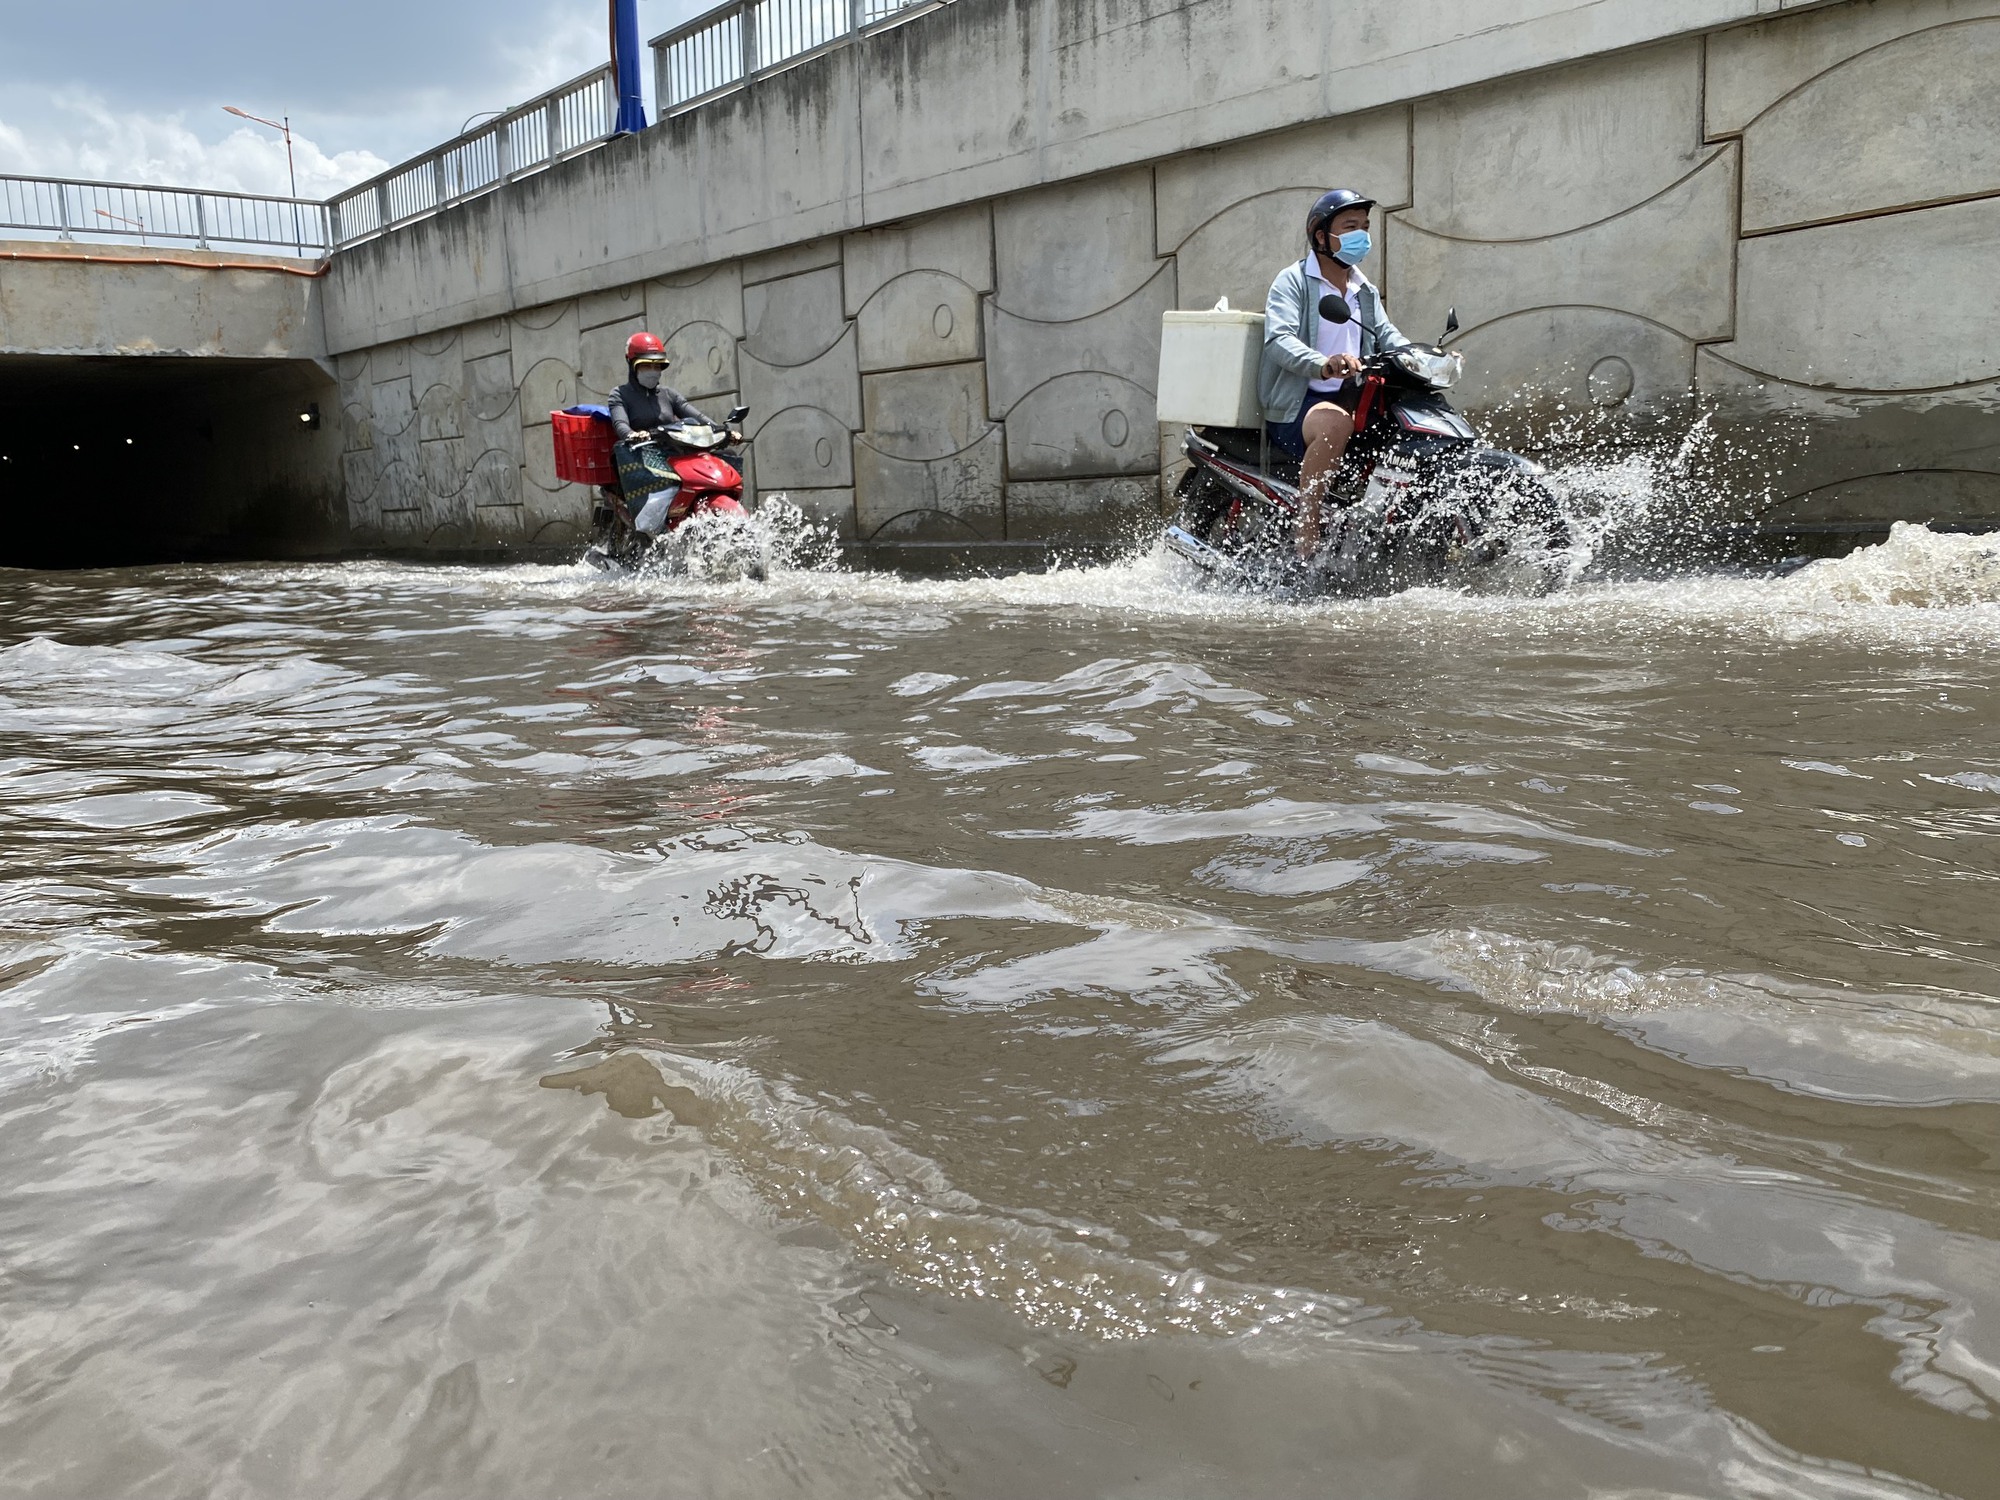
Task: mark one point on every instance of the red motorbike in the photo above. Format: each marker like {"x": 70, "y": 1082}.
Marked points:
{"x": 650, "y": 488}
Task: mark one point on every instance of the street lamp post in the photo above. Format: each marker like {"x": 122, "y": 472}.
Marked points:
{"x": 138, "y": 224}
{"x": 284, "y": 128}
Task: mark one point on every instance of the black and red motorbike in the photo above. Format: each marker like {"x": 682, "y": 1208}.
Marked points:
{"x": 682, "y": 504}
{"x": 1417, "y": 501}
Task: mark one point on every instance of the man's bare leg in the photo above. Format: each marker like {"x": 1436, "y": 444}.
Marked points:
{"x": 1327, "y": 429}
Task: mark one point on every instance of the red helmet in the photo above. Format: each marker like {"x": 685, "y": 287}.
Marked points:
{"x": 645, "y": 346}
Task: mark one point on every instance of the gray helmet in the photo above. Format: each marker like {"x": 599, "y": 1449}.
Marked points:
{"x": 1329, "y": 204}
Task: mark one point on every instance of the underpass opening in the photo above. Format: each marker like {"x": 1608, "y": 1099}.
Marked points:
{"x": 121, "y": 459}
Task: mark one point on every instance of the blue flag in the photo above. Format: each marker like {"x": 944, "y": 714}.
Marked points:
{"x": 625, "y": 55}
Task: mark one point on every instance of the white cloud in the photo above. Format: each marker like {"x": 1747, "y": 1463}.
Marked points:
{"x": 173, "y": 131}
{"x": 566, "y": 44}
{"x": 77, "y": 134}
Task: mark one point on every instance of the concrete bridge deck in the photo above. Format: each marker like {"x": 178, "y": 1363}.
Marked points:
{"x": 164, "y": 403}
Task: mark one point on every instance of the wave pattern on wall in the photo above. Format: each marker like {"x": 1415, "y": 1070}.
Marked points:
{"x": 1794, "y": 218}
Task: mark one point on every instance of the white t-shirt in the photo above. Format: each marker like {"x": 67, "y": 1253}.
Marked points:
{"x": 1335, "y": 338}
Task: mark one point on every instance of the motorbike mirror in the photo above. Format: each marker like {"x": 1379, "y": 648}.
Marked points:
{"x": 1450, "y": 322}
{"x": 1335, "y": 309}
{"x": 737, "y": 414}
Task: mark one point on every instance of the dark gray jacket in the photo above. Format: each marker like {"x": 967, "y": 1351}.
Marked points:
{"x": 634, "y": 407}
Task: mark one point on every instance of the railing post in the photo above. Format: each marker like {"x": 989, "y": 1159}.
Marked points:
{"x": 201, "y": 220}
{"x": 503, "y": 147}
{"x": 747, "y": 28}
{"x": 382, "y": 204}
{"x": 438, "y": 196}
{"x": 857, "y": 16}
{"x": 62, "y": 212}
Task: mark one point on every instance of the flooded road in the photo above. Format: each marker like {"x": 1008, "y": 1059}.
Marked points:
{"x": 512, "y": 1033}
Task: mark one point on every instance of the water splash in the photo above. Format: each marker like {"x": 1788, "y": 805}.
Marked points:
{"x": 1662, "y": 493}
{"x": 1916, "y": 568}
{"x": 1917, "y": 587}
{"x": 794, "y": 539}
{"x": 717, "y": 549}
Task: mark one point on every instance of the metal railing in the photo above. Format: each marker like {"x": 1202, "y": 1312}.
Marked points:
{"x": 68, "y": 209}
{"x": 564, "y": 121}
{"x": 721, "y": 50}
{"x": 735, "y": 42}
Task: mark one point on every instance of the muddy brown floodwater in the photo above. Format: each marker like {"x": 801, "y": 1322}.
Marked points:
{"x": 507, "y": 1032}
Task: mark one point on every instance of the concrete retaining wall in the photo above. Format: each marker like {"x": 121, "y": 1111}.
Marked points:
{"x": 934, "y": 262}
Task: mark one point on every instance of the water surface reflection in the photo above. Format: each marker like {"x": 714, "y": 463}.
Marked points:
{"x": 503, "y": 1032}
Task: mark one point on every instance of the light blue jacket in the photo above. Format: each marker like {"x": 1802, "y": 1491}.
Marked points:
{"x": 1291, "y": 332}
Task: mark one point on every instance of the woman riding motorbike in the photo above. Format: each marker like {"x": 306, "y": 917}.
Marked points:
{"x": 642, "y": 405}
{"x": 642, "y": 408}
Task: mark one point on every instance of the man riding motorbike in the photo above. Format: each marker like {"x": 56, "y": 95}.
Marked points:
{"x": 1306, "y": 383}
{"x": 642, "y": 408}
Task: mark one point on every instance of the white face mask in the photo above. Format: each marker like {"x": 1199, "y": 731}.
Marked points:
{"x": 649, "y": 378}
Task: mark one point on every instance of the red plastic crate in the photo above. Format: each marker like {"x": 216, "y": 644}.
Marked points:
{"x": 583, "y": 449}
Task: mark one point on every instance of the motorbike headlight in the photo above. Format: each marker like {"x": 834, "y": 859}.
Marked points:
{"x": 1437, "y": 368}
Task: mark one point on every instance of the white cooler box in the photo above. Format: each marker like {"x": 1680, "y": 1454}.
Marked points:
{"x": 1208, "y": 368}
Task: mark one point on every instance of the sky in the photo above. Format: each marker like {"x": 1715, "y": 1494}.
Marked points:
{"x": 133, "y": 90}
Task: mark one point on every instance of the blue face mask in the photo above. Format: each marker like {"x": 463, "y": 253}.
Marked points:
{"x": 1352, "y": 248}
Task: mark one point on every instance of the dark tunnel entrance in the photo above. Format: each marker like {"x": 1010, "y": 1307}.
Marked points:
{"x": 133, "y": 458}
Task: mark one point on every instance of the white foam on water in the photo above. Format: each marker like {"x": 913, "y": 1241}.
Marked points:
{"x": 1916, "y": 568}
{"x": 1915, "y": 587}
